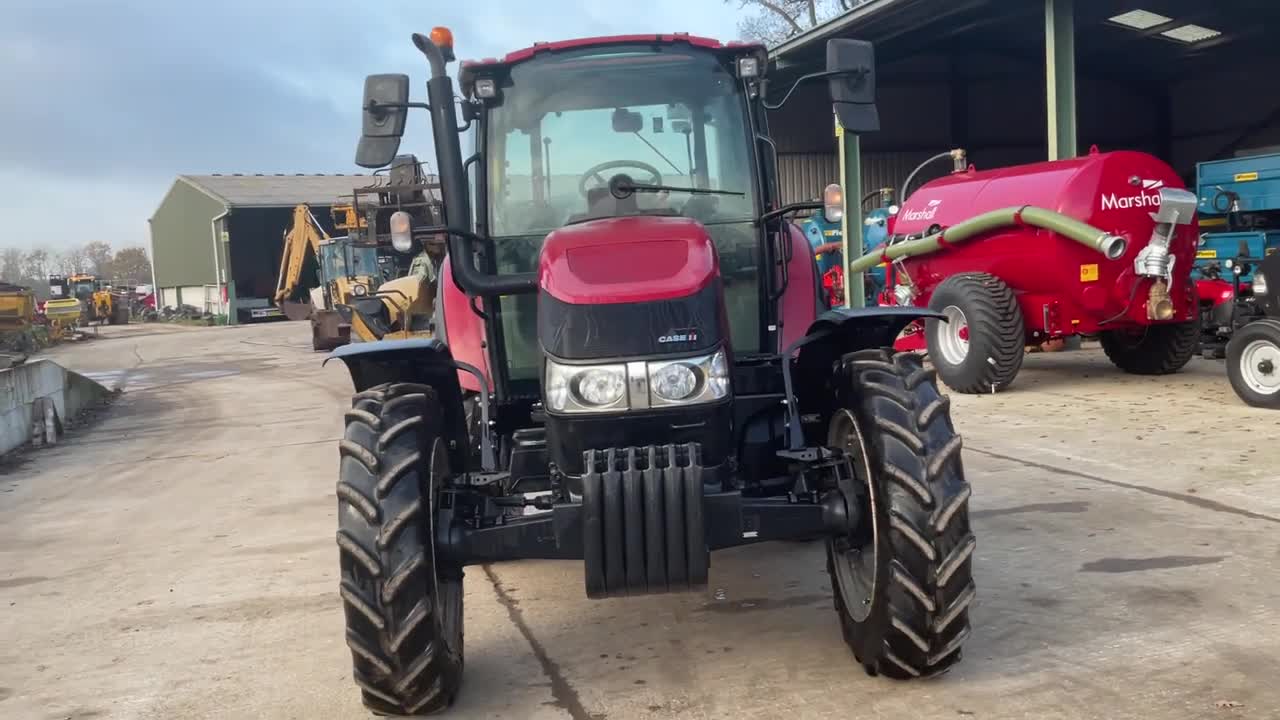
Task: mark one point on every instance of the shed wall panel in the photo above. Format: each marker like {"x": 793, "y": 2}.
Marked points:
{"x": 181, "y": 242}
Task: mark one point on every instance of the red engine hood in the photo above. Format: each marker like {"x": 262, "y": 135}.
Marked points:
{"x": 1215, "y": 292}
{"x": 628, "y": 259}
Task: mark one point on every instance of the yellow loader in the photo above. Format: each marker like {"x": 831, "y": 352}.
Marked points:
{"x": 348, "y": 270}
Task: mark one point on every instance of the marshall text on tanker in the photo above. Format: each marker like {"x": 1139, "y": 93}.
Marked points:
{"x": 1124, "y": 202}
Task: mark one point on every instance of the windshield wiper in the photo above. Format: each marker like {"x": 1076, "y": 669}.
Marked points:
{"x": 621, "y": 186}
{"x": 664, "y": 157}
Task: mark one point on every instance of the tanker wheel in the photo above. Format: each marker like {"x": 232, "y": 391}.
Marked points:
{"x": 903, "y": 579}
{"x": 1152, "y": 350}
{"x": 979, "y": 348}
{"x": 1253, "y": 363}
{"x": 403, "y": 608}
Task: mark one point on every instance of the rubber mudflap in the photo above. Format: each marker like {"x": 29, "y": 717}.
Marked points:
{"x": 699, "y": 556}
{"x": 677, "y": 555}
{"x": 614, "y": 529}
{"x": 592, "y": 528}
{"x": 654, "y": 532}
{"x": 633, "y": 518}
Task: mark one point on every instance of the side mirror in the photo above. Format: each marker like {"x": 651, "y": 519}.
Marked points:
{"x": 625, "y": 121}
{"x": 853, "y": 90}
{"x": 386, "y": 99}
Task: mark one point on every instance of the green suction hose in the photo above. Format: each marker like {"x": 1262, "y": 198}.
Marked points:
{"x": 1111, "y": 246}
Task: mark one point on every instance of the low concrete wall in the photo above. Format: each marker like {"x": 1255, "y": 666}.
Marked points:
{"x": 22, "y": 386}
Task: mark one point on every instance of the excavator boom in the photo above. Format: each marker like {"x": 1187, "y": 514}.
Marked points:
{"x": 305, "y": 232}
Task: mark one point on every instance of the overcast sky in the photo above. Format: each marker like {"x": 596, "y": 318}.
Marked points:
{"x": 105, "y": 102}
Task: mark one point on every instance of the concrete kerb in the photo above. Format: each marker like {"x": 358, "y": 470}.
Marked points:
{"x": 30, "y": 390}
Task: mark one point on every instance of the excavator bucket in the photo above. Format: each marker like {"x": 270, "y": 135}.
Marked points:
{"x": 296, "y": 310}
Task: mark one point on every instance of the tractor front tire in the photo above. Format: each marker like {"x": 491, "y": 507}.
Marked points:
{"x": 1253, "y": 363}
{"x": 903, "y": 579}
{"x": 1153, "y": 350}
{"x": 403, "y": 609}
{"x": 979, "y": 348}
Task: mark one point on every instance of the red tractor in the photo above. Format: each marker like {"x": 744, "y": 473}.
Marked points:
{"x": 634, "y": 366}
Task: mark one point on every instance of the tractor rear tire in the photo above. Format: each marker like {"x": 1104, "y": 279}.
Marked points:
{"x": 905, "y": 588}
{"x": 1153, "y": 350}
{"x": 403, "y": 609}
{"x": 1253, "y": 363}
{"x": 989, "y": 357}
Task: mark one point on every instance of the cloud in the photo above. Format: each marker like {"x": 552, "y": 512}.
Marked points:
{"x": 107, "y": 102}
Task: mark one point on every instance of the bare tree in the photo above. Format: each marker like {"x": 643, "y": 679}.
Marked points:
{"x": 36, "y": 265}
{"x": 772, "y": 21}
{"x": 98, "y": 256}
{"x": 131, "y": 266}
{"x": 11, "y": 262}
{"x": 70, "y": 262}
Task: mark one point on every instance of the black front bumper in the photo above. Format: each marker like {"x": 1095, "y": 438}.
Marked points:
{"x": 646, "y": 523}
{"x": 570, "y": 437}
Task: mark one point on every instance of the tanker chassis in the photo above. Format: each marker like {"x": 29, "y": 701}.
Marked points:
{"x": 1100, "y": 245}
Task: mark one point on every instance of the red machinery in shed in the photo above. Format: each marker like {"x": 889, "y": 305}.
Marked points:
{"x": 1100, "y": 245}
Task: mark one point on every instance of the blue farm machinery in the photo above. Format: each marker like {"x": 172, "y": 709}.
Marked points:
{"x": 826, "y": 239}
{"x": 1239, "y": 210}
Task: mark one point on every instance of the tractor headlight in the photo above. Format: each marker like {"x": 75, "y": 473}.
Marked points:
{"x": 1259, "y": 283}
{"x": 689, "y": 381}
{"x": 586, "y": 388}
{"x": 359, "y": 290}
{"x": 673, "y": 382}
{"x": 601, "y": 387}
{"x": 636, "y": 385}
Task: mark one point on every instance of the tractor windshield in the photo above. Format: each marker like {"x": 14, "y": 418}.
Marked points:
{"x": 83, "y": 289}
{"x": 660, "y": 114}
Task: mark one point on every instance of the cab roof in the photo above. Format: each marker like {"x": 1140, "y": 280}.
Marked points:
{"x": 669, "y": 39}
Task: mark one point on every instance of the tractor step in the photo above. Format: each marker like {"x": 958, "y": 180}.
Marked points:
{"x": 643, "y": 521}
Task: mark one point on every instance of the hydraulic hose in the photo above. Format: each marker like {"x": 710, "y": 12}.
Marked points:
{"x": 906, "y": 186}
{"x": 1111, "y": 246}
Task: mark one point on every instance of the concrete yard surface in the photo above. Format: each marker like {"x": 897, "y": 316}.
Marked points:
{"x": 176, "y": 559}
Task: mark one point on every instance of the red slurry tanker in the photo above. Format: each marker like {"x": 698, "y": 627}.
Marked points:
{"x": 1100, "y": 245}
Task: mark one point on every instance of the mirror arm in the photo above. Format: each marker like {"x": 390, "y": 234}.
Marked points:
{"x": 815, "y": 76}
{"x": 379, "y": 110}
{"x": 787, "y": 210}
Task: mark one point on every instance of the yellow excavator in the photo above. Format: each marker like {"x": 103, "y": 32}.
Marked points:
{"x": 355, "y": 299}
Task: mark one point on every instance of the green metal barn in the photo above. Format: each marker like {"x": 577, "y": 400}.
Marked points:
{"x": 216, "y": 239}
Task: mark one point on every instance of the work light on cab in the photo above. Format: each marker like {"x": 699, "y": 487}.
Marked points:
{"x": 833, "y": 203}
{"x": 401, "y": 231}
{"x": 486, "y": 88}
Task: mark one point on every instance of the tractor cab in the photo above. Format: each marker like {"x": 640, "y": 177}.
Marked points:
{"x": 633, "y": 363}
{"x": 581, "y": 141}
{"x": 82, "y": 287}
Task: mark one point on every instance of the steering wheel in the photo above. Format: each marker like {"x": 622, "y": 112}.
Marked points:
{"x": 595, "y": 170}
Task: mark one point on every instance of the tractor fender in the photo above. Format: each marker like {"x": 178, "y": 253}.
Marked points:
{"x": 425, "y": 361}
{"x": 420, "y": 360}
{"x": 831, "y": 336}
{"x": 1270, "y": 300}
{"x": 862, "y": 328}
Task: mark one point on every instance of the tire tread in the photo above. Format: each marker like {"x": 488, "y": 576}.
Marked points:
{"x": 402, "y": 661}
{"x": 921, "y": 483}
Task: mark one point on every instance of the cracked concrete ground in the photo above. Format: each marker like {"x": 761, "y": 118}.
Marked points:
{"x": 175, "y": 559}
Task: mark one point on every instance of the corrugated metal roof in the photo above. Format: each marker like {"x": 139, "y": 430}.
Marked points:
{"x": 276, "y": 190}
